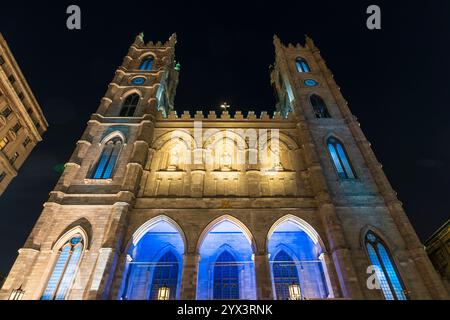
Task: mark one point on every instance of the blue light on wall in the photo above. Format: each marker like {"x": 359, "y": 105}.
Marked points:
{"x": 155, "y": 261}
{"x": 294, "y": 255}
{"x": 226, "y": 277}
{"x": 226, "y": 269}
{"x": 284, "y": 274}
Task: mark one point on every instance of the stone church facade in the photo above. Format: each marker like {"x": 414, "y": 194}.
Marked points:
{"x": 151, "y": 199}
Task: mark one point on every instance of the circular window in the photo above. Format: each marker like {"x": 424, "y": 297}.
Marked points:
{"x": 138, "y": 81}
{"x": 311, "y": 83}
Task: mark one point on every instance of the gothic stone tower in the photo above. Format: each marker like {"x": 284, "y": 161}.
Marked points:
{"x": 155, "y": 205}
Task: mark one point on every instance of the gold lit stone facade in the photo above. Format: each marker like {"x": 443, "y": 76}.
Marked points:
{"x": 438, "y": 249}
{"x": 161, "y": 175}
{"x": 22, "y": 122}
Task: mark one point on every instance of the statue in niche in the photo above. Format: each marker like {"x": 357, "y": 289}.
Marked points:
{"x": 277, "y": 166}
{"x": 174, "y": 159}
{"x": 225, "y": 161}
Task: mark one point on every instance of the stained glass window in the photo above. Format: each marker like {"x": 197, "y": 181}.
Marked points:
{"x": 302, "y": 65}
{"x": 319, "y": 107}
{"x": 226, "y": 277}
{"x": 147, "y": 64}
{"x": 64, "y": 270}
{"x": 284, "y": 274}
{"x": 340, "y": 159}
{"x": 387, "y": 274}
{"x": 129, "y": 105}
{"x": 165, "y": 274}
{"x": 108, "y": 159}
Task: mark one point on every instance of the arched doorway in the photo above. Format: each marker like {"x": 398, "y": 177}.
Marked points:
{"x": 226, "y": 269}
{"x": 154, "y": 261}
{"x": 296, "y": 258}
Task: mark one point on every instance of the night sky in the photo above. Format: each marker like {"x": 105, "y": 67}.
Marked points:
{"x": 396, "y": 81}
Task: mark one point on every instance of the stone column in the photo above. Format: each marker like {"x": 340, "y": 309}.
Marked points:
{"x": 19, "y": 274}
{"x": 263, "y": 282}
{"x": 189, "y": 278}
{"x": 108, "y": 254}
{"x": 337, "y": 245}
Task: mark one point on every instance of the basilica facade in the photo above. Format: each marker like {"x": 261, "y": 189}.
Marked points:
{"x": 159, "y": 205}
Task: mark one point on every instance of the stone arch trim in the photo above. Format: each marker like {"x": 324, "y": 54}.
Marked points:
{"x": 248, "y": 234}
{"x": 84, "y": 228}
{"x": 238, "y": 140}
{"x": 66, "y": 235}
{"x": 302, "y": 224}
{"x": 144, "y": 228}
{"x": 184, "y": 136}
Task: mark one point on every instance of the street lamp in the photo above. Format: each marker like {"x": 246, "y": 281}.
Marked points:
{"x": 17, "y": 294}
{"x": 164, "y": 293}
{"x": 295, "y": 292}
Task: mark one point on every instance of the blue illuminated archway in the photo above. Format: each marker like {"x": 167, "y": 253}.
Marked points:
{"x": 295, "y": 251}
{"x": 155, "y": 259}
{"x": 226, "y": 269}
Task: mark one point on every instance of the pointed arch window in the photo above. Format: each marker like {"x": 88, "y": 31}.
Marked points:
{"x": 302, "y": 65}
{"x": 319, "y": 107}
{"x": 387, "y": 274}
{"x": 165, "y": 274}
{"x": 129, "y": 105}
{"x": 226, "y": 277}
{"x": 64, "y": 270}
{"x": 340, "y": 159}
{"x": 147, "y": 64}
{"x": 108, "y": 159}
{"x": 285, "y": 274}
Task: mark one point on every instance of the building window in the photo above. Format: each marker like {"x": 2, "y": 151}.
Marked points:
{"x": 108, "y": 159}
{"x": 387, "y": 274}
{"x": 3, "y": 143}
{"x": 64, "y": 270}
{"x": 12, "y": 79}
{"x": 6, "y": 112}
{"x": 129, "y": 105}
{"x": 302, "y": 65}
{"x": 38, "y": 125}
{"x": 2, "y": 60}
{"x": 165, "y": 274}
{"x": 13, "y": 159}
{"x": 226, "y": 277}
{"x": 285, "y": 274}
{"x": 340, "y": 159}
{"x": 319, "y": 107}
{"x": 16, "y": 127}
{"x": 147, "y": 64}
{"x": 26, "y": 142}
{"x": 2, "y": 176}
{"x": 21, "y": 95}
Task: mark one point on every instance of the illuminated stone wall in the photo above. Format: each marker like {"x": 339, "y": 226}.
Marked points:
{"x": 153, "y": 182}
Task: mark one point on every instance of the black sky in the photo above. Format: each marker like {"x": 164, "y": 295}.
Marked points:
{"x": 396, "y": 81}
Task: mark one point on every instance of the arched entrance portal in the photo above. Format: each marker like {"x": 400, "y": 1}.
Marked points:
{"x": 296, "y": 258}
{"x": 226, "y": 269}
{"x": 154, "y": 261}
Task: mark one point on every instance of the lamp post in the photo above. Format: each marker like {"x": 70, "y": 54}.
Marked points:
{"x": 164, "y": 293}
{"x": 295, "y": 291}
{"x": 17, "y": 294}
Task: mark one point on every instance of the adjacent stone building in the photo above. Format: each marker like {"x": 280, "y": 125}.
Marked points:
{"x": 438, "y": 249}
{"x": 22, "y": 122}
{"x": 159, "y": 205}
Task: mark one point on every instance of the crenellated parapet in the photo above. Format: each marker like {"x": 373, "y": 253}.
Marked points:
{"x": 225, "y": 115}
